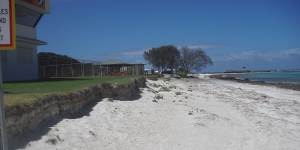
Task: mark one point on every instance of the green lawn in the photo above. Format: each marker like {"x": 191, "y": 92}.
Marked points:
{"x": 28, "y": 92}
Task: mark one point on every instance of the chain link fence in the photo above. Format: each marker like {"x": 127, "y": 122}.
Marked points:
{"x": 88, "y": 70}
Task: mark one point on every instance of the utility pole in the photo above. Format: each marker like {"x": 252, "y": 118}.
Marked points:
{"x": 7, "y": 42}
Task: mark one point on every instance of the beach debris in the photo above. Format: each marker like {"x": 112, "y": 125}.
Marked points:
{"x": 155, "y": 101}
{"x": 202, "y": 110}
{"x": 166, "y": 79}
{"x": 59, "y": 139}
{"x": 164, "y": 89}
{"x": 172, "y": 87}
{"x": 92, "y": 133}
{"x": 155, "y": 85}
{"x": 200, "y": 124}
{"x": 158, "y": 97}
{"x": 52, "y": 141}
{"x": 178, "y": 93}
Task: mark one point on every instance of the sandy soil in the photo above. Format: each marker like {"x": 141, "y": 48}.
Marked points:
{"x": 189, "y": 114}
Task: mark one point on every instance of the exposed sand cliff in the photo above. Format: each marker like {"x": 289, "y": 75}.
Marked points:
{"x": 29, "y": 122}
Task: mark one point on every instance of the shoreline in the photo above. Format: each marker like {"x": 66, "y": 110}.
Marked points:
{"x": 289, "y": 86}
{"x": 185, "y": 113}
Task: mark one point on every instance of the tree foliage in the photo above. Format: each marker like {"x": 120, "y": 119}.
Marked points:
{"x": 164, "y": 57}
{"x": 193, "y": 59}
{"x": 184, "y": 59}
{"x": 48, "y": 58}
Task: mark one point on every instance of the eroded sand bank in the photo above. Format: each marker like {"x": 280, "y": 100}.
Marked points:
{"x": 187, "y": 114}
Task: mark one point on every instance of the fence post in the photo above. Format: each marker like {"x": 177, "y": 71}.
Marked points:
{"x": 56, "y": 74}
{"x": 62, "y": 70}
{"x": 133, "y": 71}
{"x": 138, "y": 70}
{"x": 44, "y": 71}
{"x": 106, "y": 70}
{"x": 83, "y": 71}
{"x": 101, "y": 70}
{"x": 93, "y": 70}
{"x": 72, "y": 71}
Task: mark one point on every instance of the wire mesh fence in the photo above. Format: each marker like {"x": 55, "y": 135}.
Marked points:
{"x": 85, "y": 70}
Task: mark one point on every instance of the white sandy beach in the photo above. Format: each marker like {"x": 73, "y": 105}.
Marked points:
{"x": 187, "y": 114}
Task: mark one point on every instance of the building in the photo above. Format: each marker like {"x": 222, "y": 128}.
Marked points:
{"x": 22, "y": 64}
{"x": 123, "y": 69}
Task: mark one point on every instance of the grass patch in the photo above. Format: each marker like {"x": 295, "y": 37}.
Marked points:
{"x": 28, "y": 92}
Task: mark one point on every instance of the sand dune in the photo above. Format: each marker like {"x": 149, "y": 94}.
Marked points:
{"x": 187, "y": 114}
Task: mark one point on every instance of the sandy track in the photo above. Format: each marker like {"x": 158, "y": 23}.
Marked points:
{"x": 190, "y": 114}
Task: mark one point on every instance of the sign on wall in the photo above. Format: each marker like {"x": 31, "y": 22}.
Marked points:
{"x": 7, "y": 25}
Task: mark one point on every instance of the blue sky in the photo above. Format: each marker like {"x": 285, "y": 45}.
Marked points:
{"x": 259, "y": 34}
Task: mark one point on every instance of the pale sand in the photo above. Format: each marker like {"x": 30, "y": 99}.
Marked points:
{"x": 196, "y": 114}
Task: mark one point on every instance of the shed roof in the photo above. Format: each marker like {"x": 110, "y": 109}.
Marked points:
{"x": 116, "y": 62}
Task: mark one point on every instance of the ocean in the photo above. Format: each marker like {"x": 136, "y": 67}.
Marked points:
{"x": 272, "y": 77}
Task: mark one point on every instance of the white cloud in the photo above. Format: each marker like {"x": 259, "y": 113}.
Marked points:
{"x": 206, "y": 46}
{"x": 203, "y": 46}
{"x": 294, "y": 51}
{"x": 133, "y": 53}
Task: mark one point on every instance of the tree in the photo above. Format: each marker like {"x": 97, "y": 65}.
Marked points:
{"x": 164, "y": 57}
{"x": 193, "y": 59}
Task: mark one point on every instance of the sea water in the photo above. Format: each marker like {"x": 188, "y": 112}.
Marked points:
{"x": 273, "y": 77}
